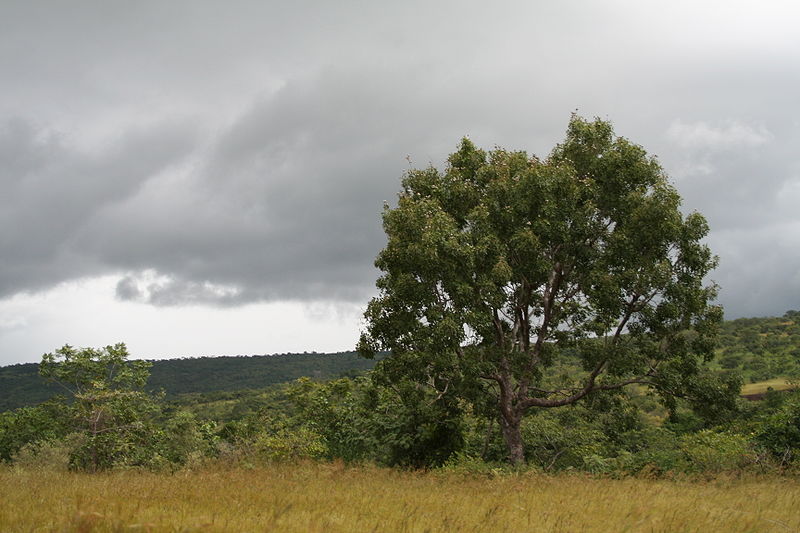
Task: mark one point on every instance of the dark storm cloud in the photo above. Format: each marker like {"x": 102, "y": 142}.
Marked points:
{"x": 745, "y": 178}
{"x": 51, "y": 192}
{"x": 252, "y": 146}
{"x": 286, "y": 206}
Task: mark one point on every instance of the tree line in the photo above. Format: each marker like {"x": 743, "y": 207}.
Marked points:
{"x": 106, "y": 419}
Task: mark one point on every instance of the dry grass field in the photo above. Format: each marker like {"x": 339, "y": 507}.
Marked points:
{"x": 762, "y": 386}
{"x": 332, "y": 497}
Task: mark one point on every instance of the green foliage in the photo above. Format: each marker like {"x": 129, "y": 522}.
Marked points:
{"x": 352, "y": 420}
{"x": 504, "y": 265}
{"x": 266, "y": 437}
{"x": 22, "y": 386}
{"x": 88, "y": 371}
{"x": 206, "y": 374}
{"x": 581, "y": 436}
{"x": 336, "y": 411}
{"x": 289, "y": 445}
{"x": 713, "y": 452}
{"x": 552, "y": 444}
{"x": 779, "y": 433}
{"x": 111, "y": 414}
{"x": 762, "y": 348}
{"x": 416, "y": 421}
{"x": 31, "y": 426}
{"x": 465, "y": 464}
{"x": 108, "y": 420}
{"x": 183, "y": 438}
{"x": 45, "y": 454}
{"x": 653, "y": 450}
{"x": 229, "y": 406}
{"x": 361, "y": 419}
{"x": 414, "y": 427}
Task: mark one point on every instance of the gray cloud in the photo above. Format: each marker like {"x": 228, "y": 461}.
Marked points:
{"x": 286, "y": 205}
{"x": 51, "y": 192}
{"x": 219, "y": 156}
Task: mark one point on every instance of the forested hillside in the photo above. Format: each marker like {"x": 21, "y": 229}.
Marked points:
{"x": 21, "y": 385}
{"x": 761, "y": 348}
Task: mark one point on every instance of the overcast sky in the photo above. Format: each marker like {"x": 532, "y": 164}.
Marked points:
{"x": 200, "y": 178}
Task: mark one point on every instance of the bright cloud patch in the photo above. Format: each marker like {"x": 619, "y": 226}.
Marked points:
{"x": 731, "y": 134}
{"x": 151, "y": 287}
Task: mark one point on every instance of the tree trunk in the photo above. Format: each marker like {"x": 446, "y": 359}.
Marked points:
{"x": 488, "y": 439}
{"x": 512, "y": 435}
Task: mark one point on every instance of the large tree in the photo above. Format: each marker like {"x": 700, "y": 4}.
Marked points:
{"x": 504, "y": 264}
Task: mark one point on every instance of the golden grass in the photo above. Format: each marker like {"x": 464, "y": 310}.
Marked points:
{"x": 334, "y": 498}
{"x": 762, "y": 386}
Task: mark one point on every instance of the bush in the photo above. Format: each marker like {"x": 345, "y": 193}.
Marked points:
{"x": 289, "y": 445}
{"x": 45, "y": 455}
{"x": 44, "y": 422}
{"x": 361, "y": 420}
{"x": 652, "y": 450}
{"x": 566, "y": 438}
{"x": 780, "y": 432}
{"x": 135, "y": 445}
{"x": 185, "y": 437}
{"x": 714, "y": 452}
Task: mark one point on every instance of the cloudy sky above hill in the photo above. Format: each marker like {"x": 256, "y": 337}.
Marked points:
{"x": 198, "y": 178}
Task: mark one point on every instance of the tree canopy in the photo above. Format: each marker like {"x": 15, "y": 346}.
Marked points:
{"x": 504, "y": 264}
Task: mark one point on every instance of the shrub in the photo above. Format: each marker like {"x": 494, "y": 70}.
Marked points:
{"x": 713, "y": 452}
{"x": 654, "y": 450}
{"x": 780, "y": 432}
{"x": 555, "y": 440}
{"x": 44, "y": 455}
{"x": 44, "y": 422}
{"x": 185, "y": 437}
{"x": 289, "y": 445}
{"x": 470, "y": 465}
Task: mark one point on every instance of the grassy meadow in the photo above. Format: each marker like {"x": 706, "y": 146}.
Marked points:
{"x": 322, "y": 497}
{"x": 764, "y": 386}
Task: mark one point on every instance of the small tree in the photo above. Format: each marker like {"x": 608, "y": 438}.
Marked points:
{"x": 504, "y": 265}
{"x": 110, "y": 407}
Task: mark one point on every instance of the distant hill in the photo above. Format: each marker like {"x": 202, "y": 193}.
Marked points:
{"x": 20, "y": 385}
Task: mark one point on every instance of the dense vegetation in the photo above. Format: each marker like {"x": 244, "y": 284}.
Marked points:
{"x": 761, "y": 348}
{"x": 21, "y": 385}
{"x": 107, "y": 421}
{"x": 758, "y": 349}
